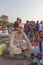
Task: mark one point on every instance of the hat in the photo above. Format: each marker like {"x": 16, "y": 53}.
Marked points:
{"x": 21, "y": 26}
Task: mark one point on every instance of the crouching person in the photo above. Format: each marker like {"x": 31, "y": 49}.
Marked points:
{"x": 19, "y": 44}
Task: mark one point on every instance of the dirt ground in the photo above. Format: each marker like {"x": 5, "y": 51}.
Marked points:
{"x": 13, "y": 62}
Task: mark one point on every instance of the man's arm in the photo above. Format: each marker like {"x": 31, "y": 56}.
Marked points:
{"x": 28, "y": 42}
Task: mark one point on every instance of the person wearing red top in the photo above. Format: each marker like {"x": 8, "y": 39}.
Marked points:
{"x": 34, "y": 44}
{"x": 16, "y": 24}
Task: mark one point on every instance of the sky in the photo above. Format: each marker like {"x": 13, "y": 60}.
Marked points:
{"x": 24, "y": 9}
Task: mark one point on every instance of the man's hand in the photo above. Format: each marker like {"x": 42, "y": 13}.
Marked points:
{"x": 11, "y": 52}
{"x": 30, "y": 50}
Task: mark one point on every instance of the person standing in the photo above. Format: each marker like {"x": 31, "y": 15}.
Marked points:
{"x": 41, "y": 43}
{"x": 37, "y": 30}
{"x": 16, "y": 24}
{"x": 26, "y": 27}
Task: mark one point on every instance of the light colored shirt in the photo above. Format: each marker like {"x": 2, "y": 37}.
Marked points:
{"x": 40, "y": 27}
{"x": 16, "y": 38}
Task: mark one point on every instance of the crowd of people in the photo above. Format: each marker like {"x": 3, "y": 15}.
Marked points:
{"x": 34, "y": 32}
{"x": 27, "y": 37}
{"x": 30, "y": 27}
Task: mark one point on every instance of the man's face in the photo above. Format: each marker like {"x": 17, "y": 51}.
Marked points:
{"x": 41, "y": 34}
{"x": 20, "y": 30}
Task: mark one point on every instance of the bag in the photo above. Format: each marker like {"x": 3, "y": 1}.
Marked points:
{"x": 2, "y": 48}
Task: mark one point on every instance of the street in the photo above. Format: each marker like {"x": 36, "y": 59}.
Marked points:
{"x": 13, "y": 62}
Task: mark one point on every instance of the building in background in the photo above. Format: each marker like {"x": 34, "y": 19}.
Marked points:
{"x": 3, "y": 19}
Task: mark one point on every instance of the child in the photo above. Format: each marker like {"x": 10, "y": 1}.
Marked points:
{"x": 34, "y": 46}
